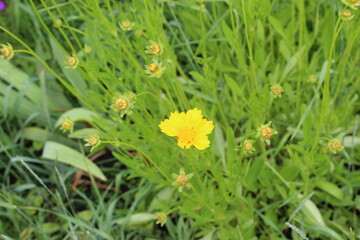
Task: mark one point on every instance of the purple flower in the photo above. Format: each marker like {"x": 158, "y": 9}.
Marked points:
{"x": 2, "y": 6}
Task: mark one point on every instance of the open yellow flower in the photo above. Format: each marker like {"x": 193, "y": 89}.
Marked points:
{"x": 190, "y": 129}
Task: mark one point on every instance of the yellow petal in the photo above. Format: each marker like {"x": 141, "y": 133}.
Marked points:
{"x": 204, "y": 127}
{"x": 201, "y": 142}
{"x": 193, "y": 116}
{"x": 170, "y": 126}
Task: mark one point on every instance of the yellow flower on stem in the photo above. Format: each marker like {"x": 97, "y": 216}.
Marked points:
{"x": 123, "y": 103}
{"x": 155, "y": 69}
{"x": 67, "y": 125}
{"x": 247, "y": 146}
{"x": 346, "y": 15}
{"x": 92, "y": 142}
{"x": 276, "y": 91}
{"x": 7, "y": 51}
{"x": 71, "y": 62}
{"x": 335, "y": 145}
{"x": 154, "y": 48}
{"x": 161, "y": 218}
{"x": 182, "y": 180}
{"x": 265, "y": 132}
{"x": 190, "y": 129}
{"x": 126, "y": 25}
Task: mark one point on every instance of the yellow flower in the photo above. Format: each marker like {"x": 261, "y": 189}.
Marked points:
{"x": 190, "y": 129}
{"x": 276, "y": 91}
{"x": 155, "y": 69}
{"x": 265, "y": 132}
{"x": 126, "y": 25}
{"x": 161, "y": 218}
{"x": 182, "y": 180}
{"x": 346, "y": 15}
{"x": 7, "y": 51}
{"x": 335, "y": 145}
{"x": 67, "y": 125}
{"x": 71, "y": 62}
{"x": 92, "y": 142}
{"x": 154, "y": 48}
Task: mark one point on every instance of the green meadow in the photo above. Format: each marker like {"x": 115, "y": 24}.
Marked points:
{"x": 179, "y": 119}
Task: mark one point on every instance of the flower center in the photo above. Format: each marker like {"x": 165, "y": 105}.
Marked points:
{"x": 336, "y": 145}
{"x": 121, "y": 104}
{"x": 71, "y": 61}
{"x": 186, "y": 135}
{"x": 66, "y": 125}
{"x": 126, "y": 24}
{"x": 248, "y": 147}
{"x": 160, "y": 218}
{"x": 93, "y": 140}
{"x": 182, "y": 179}
{"x": 5, "y": 52}
{"x": 153, "y": 67}
{"x": 353, "y": 1}
{"x": 346, "y": 14}
{"x": 277, "y": 90}
{"x": 155, "y": 48}
{"x": 266, "y": 133}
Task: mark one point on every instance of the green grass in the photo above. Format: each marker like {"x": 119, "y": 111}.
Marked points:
{"x": 221, "y": 57}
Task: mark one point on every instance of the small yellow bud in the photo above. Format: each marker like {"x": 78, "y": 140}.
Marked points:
{"x": 276, "y": 91}
{"x": 93, "y": 140}
{"x": 335, "y": 145}
{"x": 248, "y": 146}
{"x": 153, "y": 67}
{"x": 182, "y": 180}
{"x": 161, "y": 218}
{"x": 121, "y": 104}
{"x": 67, "y": 125}
{"x": 266, "y": 133}
{"x": 346, "y": 13}
{"x": 72, "y": 62}
{"x": 126, "y": 25}
{"x": 7, "y": 51}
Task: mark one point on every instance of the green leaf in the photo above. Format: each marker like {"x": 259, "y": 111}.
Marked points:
{"x": 77, "y": 114}
{"x": 330, "y": 188}
{"x": 137, "y": 218}
{"x": 72, "y": 75}
{"x": 83, "y": 133}
{"x": 312, "y": 213}
{"x": 326, "y": 231}
{"x": 64, "y": 154}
